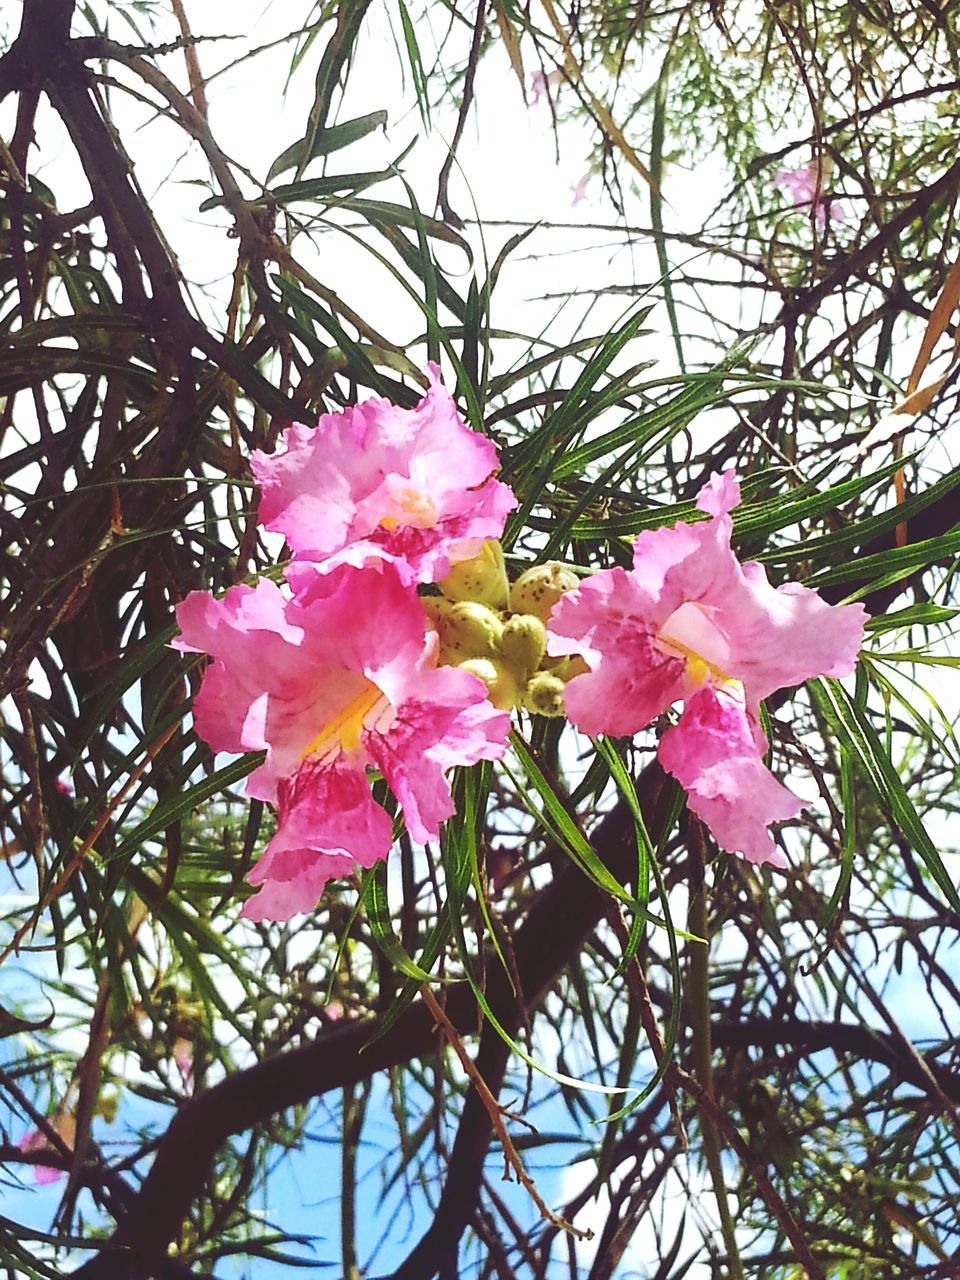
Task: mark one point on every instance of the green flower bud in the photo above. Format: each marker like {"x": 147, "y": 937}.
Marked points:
{"x": 544, "y": 695}
{"x": 500, "y": 679}
{"x": 467, "y": 629}
{"x": 482, "y": 578}
{"x": 539, "y": 589}
{"x": 108, "y": 1104}
{"x": 524, "y": 642}
{"x": 566, "y": 668}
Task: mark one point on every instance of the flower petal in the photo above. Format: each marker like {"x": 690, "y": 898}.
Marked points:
{"x": 720, "y": 494}
{"x": 609, "y": 621}
{"x": 328, "y": 824}
{"x": 712, "y": 752}
{"x": 779, "y": 637}
{"x": 413, "y": 487}
{"x": 449, "y": 723}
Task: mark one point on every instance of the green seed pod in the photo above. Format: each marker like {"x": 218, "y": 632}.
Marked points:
{"x": 482, "y": 578}
{"x": 467, "y": 629}
{"x": 500, "y": 679}
{"x": 544, "y": 695}
{"x": 539, "y": 589}
{"x": 524, "y": 642}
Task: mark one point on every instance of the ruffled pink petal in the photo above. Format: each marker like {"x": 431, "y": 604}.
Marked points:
{"x": 767, "y": 638}
{"x": 450, "y": 723}
{"x": 259, "y": 692}
{"x": 283, "y": 669}
{"x": 685, "y": 563}
{"x": 720, "y": 494}
{"x": 611, "y": 622}
{"x": 328, "y": 825}
{"x": 413, "y": 487}
{"x": 779, "y": 637}
{"x": 713, "y": 754}
{"x": 368, "y": 620}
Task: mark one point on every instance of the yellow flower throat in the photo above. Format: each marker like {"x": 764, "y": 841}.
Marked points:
{"x": 342, "y": 732}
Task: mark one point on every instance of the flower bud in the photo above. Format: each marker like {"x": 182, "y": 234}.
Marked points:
{"x": 524, "y": 642}
{"x": 482, "y": 578}
{"x": 566, "y": 668}
{"x": 539, "y": 589}
{"x": 544, "y": 695}
{"x": 467, "y": 629}
{"x": 500, "y": 679}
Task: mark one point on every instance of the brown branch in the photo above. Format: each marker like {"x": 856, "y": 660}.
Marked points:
{"x": 761, "y": 1179}
{"x": 347, "y": 1054}
{"x": 473, "y": 58}
{"x": 842, "y": 1038}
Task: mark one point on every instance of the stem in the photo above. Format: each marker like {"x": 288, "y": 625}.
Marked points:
{"x": 354, "y": 1106}
{"x": 698, "y": 987}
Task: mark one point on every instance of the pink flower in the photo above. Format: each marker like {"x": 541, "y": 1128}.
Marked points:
{"x": 63, "y": 1124}
{"x": 579, "y": 188}
{"x": 540, "y": 84}
{"x": 690, "y": 622}
{"x": 183, "y": 1057}
{"x": 340, "y": 678}
{"x": 714, "y": 754}
{"x": 375, "y": 483}
{"x": 801, "y": 188}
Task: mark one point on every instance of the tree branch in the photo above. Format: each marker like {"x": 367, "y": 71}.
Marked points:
{"x": 347, "y": 1054}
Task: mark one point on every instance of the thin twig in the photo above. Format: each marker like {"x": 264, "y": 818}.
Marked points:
{"x": 496, "y": 1112}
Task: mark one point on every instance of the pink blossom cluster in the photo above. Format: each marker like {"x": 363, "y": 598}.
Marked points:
{"x": 334, "y": 675}
{"x": 689, "y": 623}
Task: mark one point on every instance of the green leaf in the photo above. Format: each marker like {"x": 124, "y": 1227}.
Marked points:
{"x": 914, "y": 615}
{"x": 416, "y": 63}
{"x": 326, "y": 141}
{"x": 389, "y": 213}
{"x": 377, "y": 909}
{"x": 854, "y": 730}
{"x": 163, "y": 815}
{"x": 890, "y": 566}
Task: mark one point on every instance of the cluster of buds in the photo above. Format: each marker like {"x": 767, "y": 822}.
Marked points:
{"x": 497, "y": 631}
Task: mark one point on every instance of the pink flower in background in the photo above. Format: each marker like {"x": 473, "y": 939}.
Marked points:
{"x": 691, "y": 623}
{"x": 540, "y": 84}
{"x": 65, "y": 1125}
{"x": 410, "y": 487}
{"x": 800, "y": 186}
{"x": 340, "y": 678}
{"x": 579, "y": 188}
{"x": 183, "y": 1057}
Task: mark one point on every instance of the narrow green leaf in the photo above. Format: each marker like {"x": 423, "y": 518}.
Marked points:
{"x": 326, "y": 141}
{"x": 854, "y": 730}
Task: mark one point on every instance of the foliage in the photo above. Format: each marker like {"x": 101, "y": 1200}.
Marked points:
{"x": 807, "y": 1058}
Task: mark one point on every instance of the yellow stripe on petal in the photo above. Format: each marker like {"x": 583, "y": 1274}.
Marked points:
{"x": 699, "y": 671}
{"x": 342, "y": 733}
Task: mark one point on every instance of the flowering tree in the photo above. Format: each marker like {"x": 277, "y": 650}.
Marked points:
{"x": 478, "y": 736}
